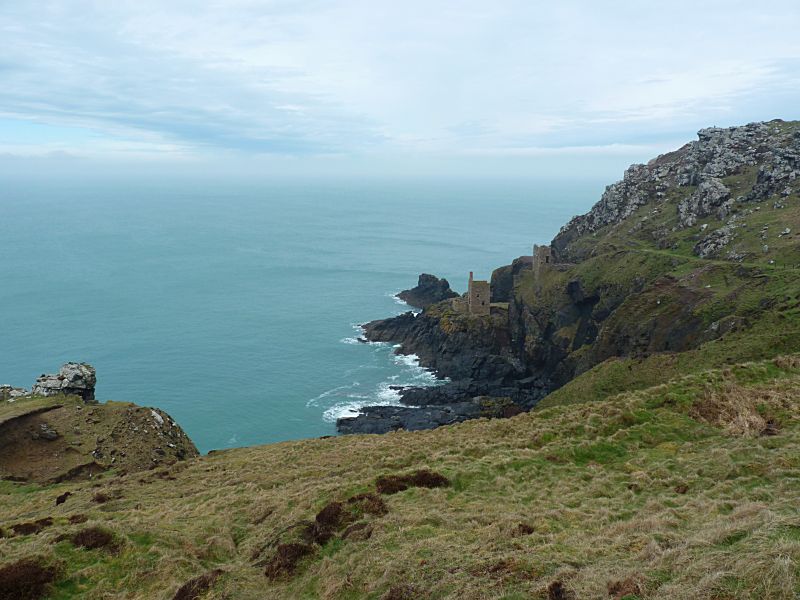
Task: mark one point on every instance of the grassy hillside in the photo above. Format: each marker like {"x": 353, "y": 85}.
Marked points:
{"x": 685, "y": 490}
{"x": 62, "y": 438}
{"x": 681, "y": 313}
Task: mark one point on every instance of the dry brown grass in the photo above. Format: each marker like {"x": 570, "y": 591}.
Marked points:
{"x": 635, "y": 490}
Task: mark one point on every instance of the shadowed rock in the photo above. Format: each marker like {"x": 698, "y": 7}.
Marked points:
{"x": 429, "y": 290}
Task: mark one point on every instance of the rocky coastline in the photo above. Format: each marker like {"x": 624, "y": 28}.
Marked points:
{"x": 624, "y": 283}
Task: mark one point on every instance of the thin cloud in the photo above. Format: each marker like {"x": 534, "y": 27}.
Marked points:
{"x": 313, "y": 78}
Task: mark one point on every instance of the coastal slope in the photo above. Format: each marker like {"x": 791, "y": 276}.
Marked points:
{"x": 651, "y": 445}
{"x": 59, "y": 432}
{"x": 691, "y": 261}
{"x": 684, "y": 490}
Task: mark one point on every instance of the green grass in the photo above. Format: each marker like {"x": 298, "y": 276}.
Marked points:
{"x": 668, "y": 485}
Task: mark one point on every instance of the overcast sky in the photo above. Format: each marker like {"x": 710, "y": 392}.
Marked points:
{"x": 310, "y": 86}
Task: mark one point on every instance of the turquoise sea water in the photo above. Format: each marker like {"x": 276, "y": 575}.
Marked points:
{"x": 234, "y": 307}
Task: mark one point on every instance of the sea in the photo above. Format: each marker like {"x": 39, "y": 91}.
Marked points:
{"x": 235, "y": 305}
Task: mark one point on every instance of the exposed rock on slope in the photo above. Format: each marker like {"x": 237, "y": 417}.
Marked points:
{"x": 693, "y": 248}
{"x": 58, "y": 437}
{"x": 771, "y": 150}
{"x": 429, "y": 290}
{"x": 76, "y": 379}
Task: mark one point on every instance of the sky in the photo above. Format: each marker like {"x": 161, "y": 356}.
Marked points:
{"x": 313, "y": 87}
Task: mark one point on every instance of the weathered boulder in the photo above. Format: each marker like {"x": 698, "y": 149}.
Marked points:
{"x": 711, "y": 194}
{"x": 73, "y": 379}
{"x": 429, "y": 290}
{"x": 8, "y": 392}
{"x": 715, "y": 242}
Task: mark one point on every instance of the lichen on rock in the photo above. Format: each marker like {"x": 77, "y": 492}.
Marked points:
{"x": 72, "y": 379}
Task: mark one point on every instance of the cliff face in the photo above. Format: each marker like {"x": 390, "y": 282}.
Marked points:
{"x": 693, "y": 252}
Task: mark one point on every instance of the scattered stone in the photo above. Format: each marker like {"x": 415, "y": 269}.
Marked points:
{"x": 681, "y": 489}
{"x": 711, "y": 194}
{"x": 713, "y": 243}
{"x": 9, "y": 393}
{"x": 45, "y": 432}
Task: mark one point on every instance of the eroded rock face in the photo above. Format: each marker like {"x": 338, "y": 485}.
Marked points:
{"x": 429, "y": 290}
{"x": 715, "y": 242}
{"x": 717, "y": 153}
{"x": 711, "y": 195}
{"x": 78, "y": 379}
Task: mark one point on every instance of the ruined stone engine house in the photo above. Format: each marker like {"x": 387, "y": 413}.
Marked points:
{"x": 478, "y": 299}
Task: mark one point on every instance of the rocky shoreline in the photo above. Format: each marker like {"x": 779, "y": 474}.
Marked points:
{"x": 623, "y": 282}
{"x": 486, "y": 380}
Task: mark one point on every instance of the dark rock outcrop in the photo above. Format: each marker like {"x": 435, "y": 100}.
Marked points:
{"x": 382, "y": 419}
{"x": 429, "y": 290}
{"x": 503, "y": 278}
{"x": 475, "y": 353}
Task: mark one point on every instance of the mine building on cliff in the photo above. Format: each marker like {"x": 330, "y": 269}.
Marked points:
{"x": 477, "y": 301}
{"x": 542, "y": 258}
{"x": 479, "y": 296}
